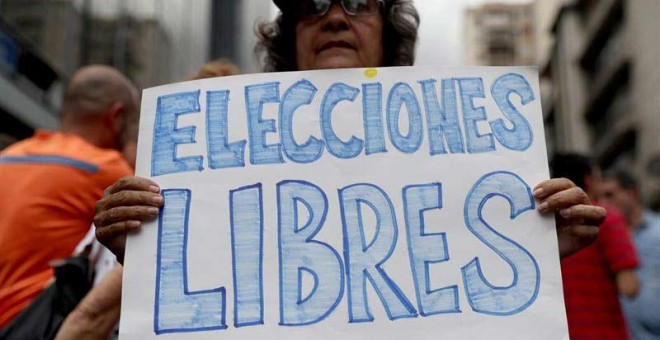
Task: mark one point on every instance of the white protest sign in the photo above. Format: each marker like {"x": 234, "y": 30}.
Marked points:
{"x": 345, "y": 204}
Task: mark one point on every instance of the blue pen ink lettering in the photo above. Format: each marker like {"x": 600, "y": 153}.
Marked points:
{"x": 443, "y": 122}
{"x": 247, "y": 239}
{"x": 425, "y": 249}
{"x": 255, "y": 98}
{"x": 372, "y": 105}
{"x": 483, "y": 296}
{"x": 221, "y": 153}
{"x": 471, "y": 88}
{"x": 520, "y": 136}
{"x": 167, "y": 136}
{"x": 402, "y": 94}
{"x": 299, "y": 254}
{"x": 177, "y": 309}
{"x": 364, "y": 259}
{"x": 299, "y": 94}
{"x": 337, "y": 93}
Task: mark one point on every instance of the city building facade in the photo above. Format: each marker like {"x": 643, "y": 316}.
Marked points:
{"x": 153, "y": 42}
{"x": 604, "y": 75}
{"x": 233, "y": 25}
{"x": 30, "y": 88}
{"x": 500, "y": 35}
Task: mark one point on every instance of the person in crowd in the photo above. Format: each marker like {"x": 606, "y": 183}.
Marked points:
{"x": 620, "y": 188}
{"x": 51, "y": 182}
{"x": 324, "y": 34}
{"x": 97, "y": 314}
{"x": 594, "y": 277}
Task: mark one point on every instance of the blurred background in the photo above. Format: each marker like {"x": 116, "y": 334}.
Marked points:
{"x": 597, "y": 59}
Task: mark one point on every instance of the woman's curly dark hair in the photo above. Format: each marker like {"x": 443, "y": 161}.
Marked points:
{"x": 277, "y": 42}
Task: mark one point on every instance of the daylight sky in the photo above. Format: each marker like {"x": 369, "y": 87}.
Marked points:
{"x": 439, "y": 36}
{"x": 441, "y": 29}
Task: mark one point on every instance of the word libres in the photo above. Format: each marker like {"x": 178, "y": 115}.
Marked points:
{"x": 445, "y": 131}
{"x": 301, "y": 254}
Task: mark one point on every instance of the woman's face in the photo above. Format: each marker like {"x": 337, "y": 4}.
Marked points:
{"x": 337, "y": 40}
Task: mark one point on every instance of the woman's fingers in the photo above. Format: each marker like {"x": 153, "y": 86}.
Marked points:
{"x": 552, "y": 186}
{"x": 578, "y": 226}
{"x": 132, "y": 183}
{"x": 123, "y": 206}
{"x": 130, "y": 198}
{"x": 127, "y": 199}
{"x": 573, "y": 238}
{"x": 105, "y": 219}
{"x": 114, "y": 236}
{"x": 586, "y": 214}
{"x": 563, "y": 199}
{"x": 115, "y": 230}
{"x": 577, "y": 219}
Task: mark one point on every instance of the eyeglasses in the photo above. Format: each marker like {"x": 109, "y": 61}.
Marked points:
{"x": 318, "y": 8}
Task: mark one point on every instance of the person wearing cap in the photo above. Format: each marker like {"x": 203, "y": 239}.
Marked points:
{"x": 327, "y": 34}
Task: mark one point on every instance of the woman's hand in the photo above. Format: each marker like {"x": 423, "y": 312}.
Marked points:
{"x": 577, "y": 219}
{"x": 122, "y": 209}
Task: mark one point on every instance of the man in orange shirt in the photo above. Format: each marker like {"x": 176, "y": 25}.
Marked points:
{"x": 49, "y": 183}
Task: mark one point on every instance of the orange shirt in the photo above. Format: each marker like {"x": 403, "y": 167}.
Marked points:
{"x": 49, "y": 185}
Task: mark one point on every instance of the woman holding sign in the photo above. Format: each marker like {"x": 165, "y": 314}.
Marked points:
{"x": 326, "y": 34}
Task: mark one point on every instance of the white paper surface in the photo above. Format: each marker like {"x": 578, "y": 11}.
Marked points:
{"x": 521, "y": 265}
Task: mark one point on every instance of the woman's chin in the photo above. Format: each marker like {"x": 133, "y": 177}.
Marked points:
{"x": 335, "y": 62}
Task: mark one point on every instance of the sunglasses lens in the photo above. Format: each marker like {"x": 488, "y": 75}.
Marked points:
{"x": 360, "y": 7}
{"x": 317, "y": 8}
{"x": 311, "y": 8}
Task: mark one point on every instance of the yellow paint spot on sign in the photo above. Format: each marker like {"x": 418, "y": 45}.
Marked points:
{"x": 371, "y": 73}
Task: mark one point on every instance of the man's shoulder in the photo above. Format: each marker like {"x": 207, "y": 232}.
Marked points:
{"x": 17, "y": 148}
{"x": 106, "y": 157}
{"x": 68, "y": 152}
{"x": 104, "y": 160}
{"x": 111, "y": 167}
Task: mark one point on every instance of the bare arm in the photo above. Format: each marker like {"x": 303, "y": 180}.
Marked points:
{"x": 98, "y": 313}
{"x": 627, "y": 283}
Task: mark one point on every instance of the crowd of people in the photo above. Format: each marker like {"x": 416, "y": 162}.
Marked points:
{"x": 56, "y": 184}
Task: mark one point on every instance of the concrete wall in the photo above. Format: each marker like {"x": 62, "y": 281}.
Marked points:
{"x": 643, "y": 27}
{"x": 627, "y": 62}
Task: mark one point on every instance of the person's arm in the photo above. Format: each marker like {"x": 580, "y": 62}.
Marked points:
{"x": 577, "y": 219}
{"x": 627, "y": 283}
{"x": 620, "y": 254}
{"x": 98, "y": 313}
